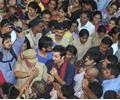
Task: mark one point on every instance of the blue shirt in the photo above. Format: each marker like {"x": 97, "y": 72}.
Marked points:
{"x": 8, "y": 72}
{"x": 113, "y": 84}
{"x": 69, "y": 73}
{"x": 44, "y": 59}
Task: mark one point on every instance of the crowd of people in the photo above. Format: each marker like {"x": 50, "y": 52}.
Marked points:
{"x": 60, "y": 49}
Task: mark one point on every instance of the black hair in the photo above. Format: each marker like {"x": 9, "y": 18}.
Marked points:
{"x": 84, "y": 32}
{"x": 95, "y": 56}
{"x": 27, "y": 42}
{"x": 96, "y": 88}
{"x": 10, "y": 90}
{"x": 67, "y": 91}
{"x": 64, "y": 8}
{"x": 97, "y": 13}
{"x": 110, "y": 94}
{"x": 92, "y": 3}
{"x": 72, "y": 49}
{"x": 86, "y": 13}
{"x": 60, "y": 49}
{"x": 3, "y": 22}
{"x": 114, "y": 69}
{"x": 114, "y": 30}
{"x": 106, "y": 40}
{"x": 35, "y": 6}
{"x": 40, "y": 88}
{"x": 5, "y": 37}
{"x": 74, "y": 21}
{"x": 114, "y": 19}
{"x": 46, "y": 12}
{"x": 112, "y": 58}
{"x": 101, "y": 28}
{"x": 119, "y": 36}
{"x": 45, "y": 42}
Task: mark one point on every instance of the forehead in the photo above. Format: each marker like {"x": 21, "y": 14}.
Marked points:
{"x": 56, "y": 53}
{"x": 59, "y": 30}
{"x": 104, "y": 45}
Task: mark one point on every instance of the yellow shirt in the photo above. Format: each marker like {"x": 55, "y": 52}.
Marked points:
{"x": 41, "y": 6}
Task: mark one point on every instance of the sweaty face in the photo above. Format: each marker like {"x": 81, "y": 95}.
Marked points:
{"x": 7, "y": 44}
{"x": 56, "y": 57}
{"x": 83, "y": 39}
{"x": 103, "y": 48}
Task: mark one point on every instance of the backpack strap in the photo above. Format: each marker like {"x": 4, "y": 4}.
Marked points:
{"x": 13, "y": 53}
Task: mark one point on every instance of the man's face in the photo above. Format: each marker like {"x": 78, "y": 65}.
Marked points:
{"x": 6, "y": 29}
{"x": 88, "y": 61}
{"x": 106, "y": 73}
{"x": 12, "y": 2}
{"x": 7, "y": 44}
{"x": 101, "y": 34}
{"x": 69, "y": 55}
{"x": 52, "y": 5}
{"x": 46, "y": 18}
{"x": 59, "y": 33}
{"x": 83, "y": 19}
{"x": 83, "y": 39}
{"x": 88, "y": 74}
{"x": 1, "y": 4}
{"x": 56, "y": 57}
{"x": 103, "y": 48}
{"x": 105, "y": 63}
{"x": 38, "y": 28}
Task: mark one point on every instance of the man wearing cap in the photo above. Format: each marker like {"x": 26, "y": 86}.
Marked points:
{"x": 30, "y": 69}
{"x": 34, "y": 33}
{"x": 58, "y": 38}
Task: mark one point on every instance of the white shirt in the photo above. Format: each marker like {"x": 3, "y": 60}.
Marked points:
{"x": 78, "y": 84}
{"x": 115, "y": 47}
{"x": 32, "y": 39}
{"x": 89, "y": 26}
